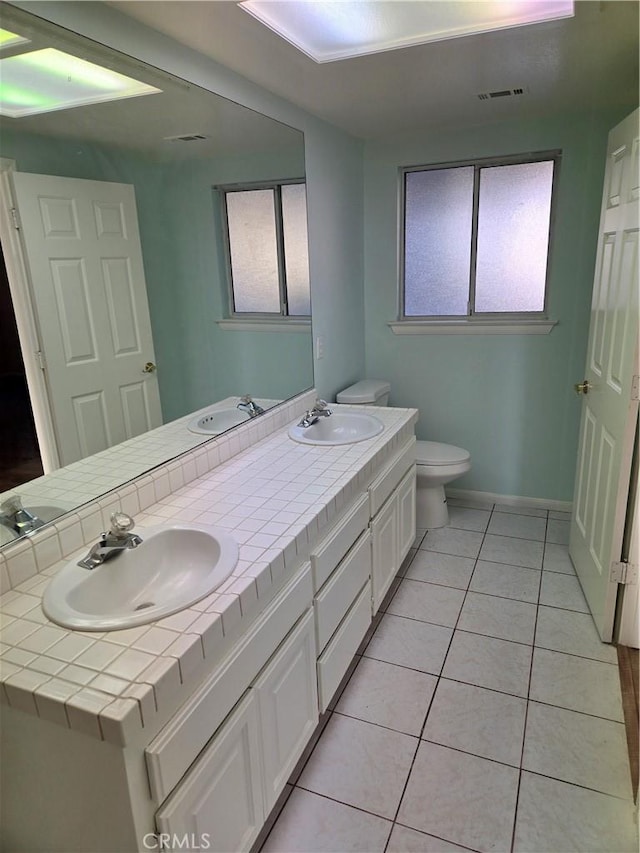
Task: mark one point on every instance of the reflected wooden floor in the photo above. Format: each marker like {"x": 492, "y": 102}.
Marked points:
{"x": 19, "y": 453}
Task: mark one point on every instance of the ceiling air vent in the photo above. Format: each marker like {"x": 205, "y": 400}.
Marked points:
{"x": 185, "y": 137}
{"x": 500, "y": 93}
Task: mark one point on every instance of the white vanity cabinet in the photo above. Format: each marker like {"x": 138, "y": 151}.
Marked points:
{"x": 341, "y": 566}
{"x": 287, "y": 707}
{"x": 220, "y": 803}
{"x": 230, "y": 789}
{"x": 211, "y": 752}
{"x": 393, "y": 523}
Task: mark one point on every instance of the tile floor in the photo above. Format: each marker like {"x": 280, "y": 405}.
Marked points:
{"x": 483, "y": 712}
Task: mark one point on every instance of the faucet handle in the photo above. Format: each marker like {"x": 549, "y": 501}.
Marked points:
{"x": 12, "y": 504}
{"x": 246, "y": 399}
{"x": 320, "y": 404}
{"x": 121, "y": 524}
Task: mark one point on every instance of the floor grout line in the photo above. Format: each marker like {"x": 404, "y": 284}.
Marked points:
{"x": 416, "y": 549}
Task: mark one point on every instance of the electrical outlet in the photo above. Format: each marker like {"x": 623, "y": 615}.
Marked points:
{"x": 319, "y": 347}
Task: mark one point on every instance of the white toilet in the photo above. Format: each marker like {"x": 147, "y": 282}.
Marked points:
{"x": 438, "y": 464}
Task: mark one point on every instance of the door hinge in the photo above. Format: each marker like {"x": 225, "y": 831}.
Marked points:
{"x": 16, "y": 218}
{"x": 41, "y": 360}
{"x": 635, "y": 388}
{"x": 626, "y": 573}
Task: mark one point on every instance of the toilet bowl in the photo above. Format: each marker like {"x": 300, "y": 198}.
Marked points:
{"x": 437, "y": 464}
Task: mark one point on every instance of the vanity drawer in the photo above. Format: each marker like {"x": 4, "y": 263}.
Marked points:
{"x": 178, "y": 744}
{"x": 335, "y": 659}
{"x": 386, "y": 482}
{"x": 328, "y": 553}
{"x": 335, "y": 597}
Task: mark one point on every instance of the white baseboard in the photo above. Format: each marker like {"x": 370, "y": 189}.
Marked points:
{"x": 509, "y": 500}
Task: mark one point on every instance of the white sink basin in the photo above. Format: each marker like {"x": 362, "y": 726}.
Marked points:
{"x": 338, "y": 428}
{"x": 175, "y": 566}
{"x": 217, "y": 421}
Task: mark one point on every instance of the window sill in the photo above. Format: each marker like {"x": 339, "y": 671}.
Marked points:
{"x": 264, "y": 325}
{"x": 472, "y": 327}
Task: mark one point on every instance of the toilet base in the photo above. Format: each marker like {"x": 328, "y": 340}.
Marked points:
{"x": 431, "y": 508}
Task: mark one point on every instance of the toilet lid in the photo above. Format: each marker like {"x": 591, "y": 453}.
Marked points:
{"x": 434, "y": 453}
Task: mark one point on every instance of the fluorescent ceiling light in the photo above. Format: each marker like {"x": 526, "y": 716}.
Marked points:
{"x": 45, "y": 80}
{"x": 8, "y": 39}
{"x": 341, "y": 29}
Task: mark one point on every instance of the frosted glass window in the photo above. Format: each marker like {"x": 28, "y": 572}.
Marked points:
{"x": 253, "y": 251}
{"x": 437, "y": 246}
{"x": 267, "y": 249}
{"x": 513, "y": 237}
{"x": 296, "y": 255}
{"x": 476, "y": 238}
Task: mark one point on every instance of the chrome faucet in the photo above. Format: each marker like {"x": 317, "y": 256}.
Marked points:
{"x": 118, "y": 539}
{"x": 247, "y": 405}
{"x": 311, "y": 416}
{"x": 14, "y": 516}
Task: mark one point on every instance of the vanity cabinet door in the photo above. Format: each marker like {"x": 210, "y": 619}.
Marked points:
{"x": 386, "y": 552}
{"x": 219, "y": 804}
{"x": 406, "y": 514}
{"x": 288, "y": 707}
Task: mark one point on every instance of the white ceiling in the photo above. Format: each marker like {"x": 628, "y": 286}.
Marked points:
{"x": 588, "y": 61}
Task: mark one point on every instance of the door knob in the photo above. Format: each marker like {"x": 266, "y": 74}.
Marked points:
{"x": 149, "y": 367}
{"x": 583, "y": 387}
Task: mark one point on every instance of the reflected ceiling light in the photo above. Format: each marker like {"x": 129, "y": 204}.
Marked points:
{"x": 327, "y": 31}
{"x": 45, "y": 80}
{"x": 8, "y": 39}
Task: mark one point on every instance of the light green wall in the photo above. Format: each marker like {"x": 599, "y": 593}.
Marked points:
{"x": 334, "y": 174}
{"x": 508, "y": 399}
{"x": 198, "y": 362}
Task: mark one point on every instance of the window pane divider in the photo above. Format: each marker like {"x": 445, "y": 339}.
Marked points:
{"x": 471, "y": 305}
{"x": 282, "y": 273}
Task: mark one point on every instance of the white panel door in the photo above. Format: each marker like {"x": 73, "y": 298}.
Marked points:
{"x": 610, "y": 405}
{"x": 84, "y": 257}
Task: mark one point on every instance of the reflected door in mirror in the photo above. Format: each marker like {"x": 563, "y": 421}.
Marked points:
{"x": 85, "y": 262}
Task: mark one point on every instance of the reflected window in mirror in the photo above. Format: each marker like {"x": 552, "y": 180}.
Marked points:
{"x": 265, "y": 234}
{"x": 139, "y": 145}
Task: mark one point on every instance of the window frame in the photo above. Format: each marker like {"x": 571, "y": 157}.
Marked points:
{"x": 499, "y": 321}
{"x": 256, "y": 317}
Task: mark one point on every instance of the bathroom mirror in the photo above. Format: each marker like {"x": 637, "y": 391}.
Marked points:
{"x": 175, "y": 147}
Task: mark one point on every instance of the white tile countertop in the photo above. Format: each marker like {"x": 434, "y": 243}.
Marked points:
{"x": 276, "y": 498}
{"x": 81, "y": 481}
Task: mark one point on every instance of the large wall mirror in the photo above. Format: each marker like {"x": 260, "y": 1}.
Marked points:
{"x": 154, "y": 166}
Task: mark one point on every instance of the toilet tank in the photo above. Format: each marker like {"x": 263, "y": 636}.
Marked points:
{"x": 367, "y": 392}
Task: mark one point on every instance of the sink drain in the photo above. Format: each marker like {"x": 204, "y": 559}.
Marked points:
{"x": 144, "y": 605}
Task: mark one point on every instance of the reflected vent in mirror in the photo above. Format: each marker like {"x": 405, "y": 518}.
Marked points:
{"x": 185, "y": 137}
{"x": 501, "y": 93}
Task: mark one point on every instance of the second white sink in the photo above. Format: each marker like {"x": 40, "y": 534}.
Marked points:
{"x": 338, "y": 428}
{"x": 217, "y": 421}
{"x": 175, "y": 566}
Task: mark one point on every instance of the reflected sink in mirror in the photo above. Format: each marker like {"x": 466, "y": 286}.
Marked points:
{"x": 174, "y": 566}
{"x": 214, "y": 423}
{"x": 338, "y": 428}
